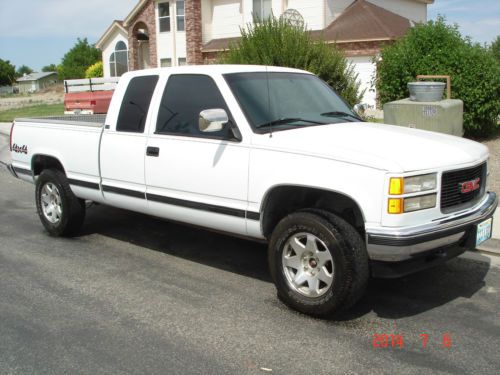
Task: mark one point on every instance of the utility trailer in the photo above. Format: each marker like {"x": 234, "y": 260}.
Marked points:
{"x": 88, "y": 96}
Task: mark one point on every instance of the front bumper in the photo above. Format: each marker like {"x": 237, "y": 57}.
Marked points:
{"x": 396, "y": 252}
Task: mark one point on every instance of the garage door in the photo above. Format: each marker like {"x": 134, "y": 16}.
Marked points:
{"x": 365, "y": 69}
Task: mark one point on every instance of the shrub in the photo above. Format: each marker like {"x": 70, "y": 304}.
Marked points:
{"x": 78, "y": 59}
{"x": 276, "y": 42}
{"x": 94, "y": 71}
{"x": 438, "y": 48}
{"x": 495, "y": 47}
{"x": 7, "y": 73}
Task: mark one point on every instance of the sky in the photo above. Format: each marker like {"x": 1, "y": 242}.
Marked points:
{"x": 39, "y": 32}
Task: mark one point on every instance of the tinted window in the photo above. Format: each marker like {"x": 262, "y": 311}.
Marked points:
{"x": 291, "y": 96}
{"x": 185, "y": 96}
{"x": 135, "y": 105}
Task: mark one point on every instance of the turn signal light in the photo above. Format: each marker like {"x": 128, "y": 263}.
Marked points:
{"x": 395, "y": 206}
{"x": 396, "y": 186}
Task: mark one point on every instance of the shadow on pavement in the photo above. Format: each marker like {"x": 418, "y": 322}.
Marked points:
{"x": 414, "y": 294}
{"x": 388, "y": 298}
{"x": 236, "y": 255}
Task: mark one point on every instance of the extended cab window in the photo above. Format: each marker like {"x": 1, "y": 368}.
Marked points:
{"x": 135, "y": 104}
{"x": 185, "y": 96}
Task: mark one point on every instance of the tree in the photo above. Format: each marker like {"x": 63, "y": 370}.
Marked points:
{"x": 78, "y": 59}
{"x": 22, "y": 70}
{"x": 7, "y": 73}
{"x": 277, "y": 42}
{"x": 94, "y": 71}
{"x": 495, "y": 47}
{"x": 439, "y": 48}
{"x": 50, "y": 68}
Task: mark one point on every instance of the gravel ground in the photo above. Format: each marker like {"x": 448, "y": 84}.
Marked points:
{"x": 52, "y": 95}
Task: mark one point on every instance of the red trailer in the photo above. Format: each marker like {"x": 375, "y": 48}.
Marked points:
{"x": 88, "y": 96}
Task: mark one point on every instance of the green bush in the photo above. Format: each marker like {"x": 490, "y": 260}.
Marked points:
{"x": 495, "y": 47}
{"x": 94, "y": 71}
{"x": 76, "y": 61}
{"x": 7, "y": 73}
{"x": 439, "y": 48}
{"x": 278, "y": 43}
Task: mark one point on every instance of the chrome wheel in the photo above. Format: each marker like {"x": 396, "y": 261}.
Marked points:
{"x": 50, "y": 200}
{"x": 308, "y": 265}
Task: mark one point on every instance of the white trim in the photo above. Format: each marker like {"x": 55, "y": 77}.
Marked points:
{"x": 108, "y": 32}
{"x": 158, "y": 17}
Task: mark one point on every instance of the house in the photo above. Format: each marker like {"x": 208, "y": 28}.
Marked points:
{"x": 170, "y": 33}
{"x": 36, "y": 81}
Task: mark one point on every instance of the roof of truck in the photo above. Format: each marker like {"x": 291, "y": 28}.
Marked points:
{"x": 216, "y": 69}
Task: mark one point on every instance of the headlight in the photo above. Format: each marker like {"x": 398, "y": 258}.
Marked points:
{"x": 414, "y": 184}
{"x": 419, "y": 203}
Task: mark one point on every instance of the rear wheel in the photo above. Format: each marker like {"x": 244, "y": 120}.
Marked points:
{"x": 318, "y": 262}
{"x": 60, "y": 211}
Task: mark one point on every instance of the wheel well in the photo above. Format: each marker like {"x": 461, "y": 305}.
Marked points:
{"x": 41, "y": 162}
{"x": 284, "y": 200}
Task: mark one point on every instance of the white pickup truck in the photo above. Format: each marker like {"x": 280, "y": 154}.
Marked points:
{"x": 272, "y": 154}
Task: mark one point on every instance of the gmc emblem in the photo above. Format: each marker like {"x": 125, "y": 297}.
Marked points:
{"x": 469, "y": 186}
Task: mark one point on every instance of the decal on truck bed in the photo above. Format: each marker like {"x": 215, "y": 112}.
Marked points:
{"x": 20, "y": 149}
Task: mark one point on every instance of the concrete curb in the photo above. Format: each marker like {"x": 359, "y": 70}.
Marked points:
{"x": 5, "y": 128}
{"x": 491, "y": 246}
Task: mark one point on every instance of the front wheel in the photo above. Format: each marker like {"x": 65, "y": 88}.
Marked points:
{"x": 60, "y": 211}
{"x": 318, "y": 262}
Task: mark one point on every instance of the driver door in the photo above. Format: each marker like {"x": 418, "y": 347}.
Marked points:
{"x": 194, "y": 176}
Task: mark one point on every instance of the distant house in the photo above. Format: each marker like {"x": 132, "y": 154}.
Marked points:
{"x": 160, "y": 33}
{"x": 36, "y": 81}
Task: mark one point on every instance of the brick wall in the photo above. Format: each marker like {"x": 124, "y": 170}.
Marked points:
{"x": 369, "y": 48}
{"x": 193, "y": 32}
{"x": 145, "y": 17}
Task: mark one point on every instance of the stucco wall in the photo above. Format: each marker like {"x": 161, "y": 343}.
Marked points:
{"x": 109, "y": 47}
{"x": 227, "y": 18}
{"x": 311, "y": 10}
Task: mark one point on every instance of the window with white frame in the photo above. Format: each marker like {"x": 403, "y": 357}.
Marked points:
{"x": 118, "y": 61}
{"x": 181, "y": 61}
{"x": 164, "y": 63}
{"x": 164, "y": 17}
{"x": 179, "y": 6}
{"x": 262, "y": 9}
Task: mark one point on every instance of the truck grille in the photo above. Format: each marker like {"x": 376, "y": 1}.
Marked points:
{"x": 454, "y": 196}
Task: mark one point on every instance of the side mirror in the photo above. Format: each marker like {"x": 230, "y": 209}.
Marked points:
{"x": 212, "y": 120}
{"x": 360, "y": 109}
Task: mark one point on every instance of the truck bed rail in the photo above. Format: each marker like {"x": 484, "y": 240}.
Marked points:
{"x": 82, "y": 120}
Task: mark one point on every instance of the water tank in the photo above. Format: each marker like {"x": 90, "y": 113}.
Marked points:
{"x": 445, "y": 116}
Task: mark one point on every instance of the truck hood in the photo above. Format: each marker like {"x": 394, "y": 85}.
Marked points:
{"x": 392, "y": 148}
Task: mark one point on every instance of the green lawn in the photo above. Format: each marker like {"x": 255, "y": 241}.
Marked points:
{"x": 33, "y": 111}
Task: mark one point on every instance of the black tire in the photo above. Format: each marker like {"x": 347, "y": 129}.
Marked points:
{"x": 348, "y": 253}
{"x": 72, "y": 208}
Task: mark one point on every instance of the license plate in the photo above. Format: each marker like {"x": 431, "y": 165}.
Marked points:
{"x": 483, "y": 231}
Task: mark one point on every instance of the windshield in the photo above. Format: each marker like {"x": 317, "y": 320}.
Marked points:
{"x": 295, "y": 100}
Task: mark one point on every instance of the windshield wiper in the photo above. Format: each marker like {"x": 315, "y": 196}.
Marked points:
{"x": 340, "y": 114}
{"x": 288, "y": 120}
